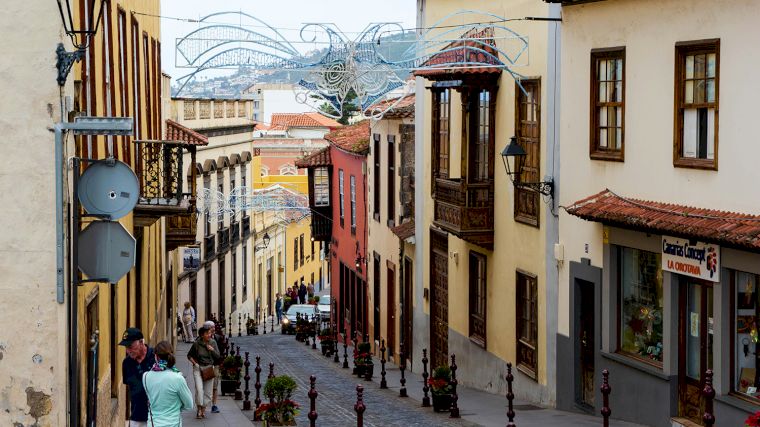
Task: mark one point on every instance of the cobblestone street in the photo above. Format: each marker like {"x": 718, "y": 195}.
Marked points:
{"x": 337, "y": 393}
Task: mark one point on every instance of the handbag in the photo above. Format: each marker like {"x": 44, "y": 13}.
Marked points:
{"x": 207, "y": 373}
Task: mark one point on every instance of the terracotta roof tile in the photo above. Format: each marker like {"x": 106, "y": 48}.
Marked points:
{"x": 283, "y": 121}
{"x": 404, "y": 108}
{"x": 405, "y": 230}
{"x": 177, "y": 132}
{"x": 726, "y": 228}
{"x": 354, "y": 138}
{"x": 470, "y": 51}
{"x": 317, "y": 158}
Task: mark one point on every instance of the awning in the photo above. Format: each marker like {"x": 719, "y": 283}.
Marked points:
{"x": 710, "y": 225}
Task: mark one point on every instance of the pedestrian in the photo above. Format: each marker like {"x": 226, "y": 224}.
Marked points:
{"x": 166, "y": 389}
{"x": 188, "y": 318}
{"x": 302, "y": 293}
{"x": 278, "y": 307}
{"x": 310, "y": 290}
{"x": 139, "y": 360}
{"x": 294, "y": 295}
{"x": 202, "y": 356}
{"x": 219, "y": 338}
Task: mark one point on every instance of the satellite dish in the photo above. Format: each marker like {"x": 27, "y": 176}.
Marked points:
{"x": 106, "y": 251}
{"x": 108, "y": 188}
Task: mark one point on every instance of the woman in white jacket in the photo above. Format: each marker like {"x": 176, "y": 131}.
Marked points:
{"x": 167, "y": 390}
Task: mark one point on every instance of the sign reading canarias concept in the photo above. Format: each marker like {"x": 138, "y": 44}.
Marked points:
{"x": 695, "y": 259}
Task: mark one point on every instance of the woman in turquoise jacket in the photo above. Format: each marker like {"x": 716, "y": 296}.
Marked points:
{"x": 167, "y": 390}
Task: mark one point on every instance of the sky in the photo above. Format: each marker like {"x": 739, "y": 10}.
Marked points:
{"x": 351, "y": 16}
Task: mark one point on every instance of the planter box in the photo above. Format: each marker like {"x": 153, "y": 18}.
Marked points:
{"x": 229, "y": 386}
{"x": 441, "y": 402}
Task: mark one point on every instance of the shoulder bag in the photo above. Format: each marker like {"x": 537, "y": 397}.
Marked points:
{"x": 207, "y": 373}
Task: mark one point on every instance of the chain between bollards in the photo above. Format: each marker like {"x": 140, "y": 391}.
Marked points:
{"x": 256, "y": 417}
{"x": 510, "y": 396}
{"x": 313, "y": 401}
{"x": 454, "y": 412}
{"x": 247, "y": 378}
{"x": 425, "y": 387}
{"x": 709, "y": 393}
{"x": 359, "y": 407}
{"x": 402, "y": 366}
{"x": 606, "y": 390}
{"x": 383, "y": 382}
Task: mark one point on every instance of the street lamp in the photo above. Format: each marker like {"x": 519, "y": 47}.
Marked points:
{"x": 513, "y": 149}
{"x": 80, "y": 35}
{"x": 265, "y": 240}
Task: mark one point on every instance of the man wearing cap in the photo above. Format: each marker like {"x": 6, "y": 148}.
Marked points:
{"x": 139, "y": 360}
{"x": 219, "y": 338}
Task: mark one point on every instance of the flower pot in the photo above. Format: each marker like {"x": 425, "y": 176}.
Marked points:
{"x": 229, "y": 386}
{"x": 359, "y": 370}
{"x": 327, "y": 348}
{"x": 369, "y": 369}
{"x": 441, "y": 402}
{"x": 250, "y": 330}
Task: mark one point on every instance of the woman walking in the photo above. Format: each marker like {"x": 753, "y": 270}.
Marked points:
{"x": 166, "y": 389}
{"x": 188, "y": 320}
{"x": 202, "y": 355}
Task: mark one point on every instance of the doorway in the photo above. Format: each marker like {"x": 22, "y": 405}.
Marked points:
{"x": 585, "y": 321}
{"x": 406, "y": 308}
{"x": 390, "y": 320}
{"x": 439, "y": 299}
{"x": 695, "y": 344}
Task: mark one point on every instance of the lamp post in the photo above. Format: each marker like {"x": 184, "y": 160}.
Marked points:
{"x": 513, "y": 149}
{"x": 79, "y": 34}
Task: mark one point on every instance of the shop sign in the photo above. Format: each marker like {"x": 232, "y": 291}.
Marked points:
{"x": 191, "y": 258}
{"x": 695, "y": 259}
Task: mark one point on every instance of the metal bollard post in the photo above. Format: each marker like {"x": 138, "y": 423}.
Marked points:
{"x": 345, "y": 352}
{"x": 264, "y": 323}
{"x": 256, "y": 417}
{"x": 229, "y": 327}
{"x": 383, "y": 382}
{"x": 454, "y": 413}
{"x": 247, "y": 378}
{"x": 606, "y": 390}
{"x": 425, "y": 387}
{"x": 313, "y": 399}
{"x": 336, "y": 354}
{"x": 240, "y": 321}
{"x": 402, "y": 365}
{"x": 359, "y": 407}
{"x": 271, "y": 370}
{"x": 272, "y": 330}
{"x": 510, "y": 396}
{"x": 709, "y": 393}
{"x": 314, "y": 337}
{"x": 256, "y": 324}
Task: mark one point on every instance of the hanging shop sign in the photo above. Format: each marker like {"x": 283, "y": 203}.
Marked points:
{"x": 695, "y": 259}
{"x": 191, "y": 258}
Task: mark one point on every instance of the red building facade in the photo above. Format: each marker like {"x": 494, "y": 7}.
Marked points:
{"x": 338, "y": 200}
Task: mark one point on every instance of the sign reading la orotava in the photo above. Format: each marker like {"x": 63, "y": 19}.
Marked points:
{"x": 701, "y": 260}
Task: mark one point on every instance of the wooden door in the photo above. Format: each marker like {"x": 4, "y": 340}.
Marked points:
{"x": 439, "y": 299}
{"x": 586, "y": 340}
{"x": 695, "y": 345}
{"x": 390, "y": 319}
{"x": 406, "y": 309}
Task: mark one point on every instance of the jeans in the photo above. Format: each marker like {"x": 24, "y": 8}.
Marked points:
{"x": 203, "y": 389}
{"x": 279, "y": 315}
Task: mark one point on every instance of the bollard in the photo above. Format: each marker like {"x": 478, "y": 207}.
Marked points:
{"x": 238, "y": 392}
{"x": 258, "y": 387}
{"x": 247, "y": 378}
{"x": 402, "y": 365}
{"x": 272, "y": 330}
{"x": 271, "y": 371}
{"x": 310, "y": 322}
{"x": 454, "y": 413}
{"x": 264, "y": 324}
{"x": 510, "y": 396}
{"x": 245, "y": 317}
{"x": 606, "y": 390}
{"x": 314, "y": 337}
{"x": 355, "y": 371}
{"x": 313, "y": 399}
{"x": 345, "y": 352}
{"x": 383, "y": 382}
{"x": 336, "y": 355}
{"x": 229, "y": 327}
{"x": 709, "y": 393}
{"x": 425, "y": 387}
{"x": 256, "y": 325}
{"x": 359, "y": 407}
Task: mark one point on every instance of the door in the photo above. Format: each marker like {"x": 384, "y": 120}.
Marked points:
{"x": 695, "y": 345}
{"x": 222, "y": 314}
{"x": 585, "y": 338}
{"x": 406, "y": 309}
{"x": 439, "y": 300}
{"x": 207, "y": 289}
{"x": 376, "y": 295}
{"x": 390, "y": 320}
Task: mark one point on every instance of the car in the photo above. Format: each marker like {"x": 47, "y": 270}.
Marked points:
{"x": 290, "y": 317}
{"x": 323, "y": 307}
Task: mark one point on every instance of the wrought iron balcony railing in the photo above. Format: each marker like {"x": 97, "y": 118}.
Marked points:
{"x": 321, "y": 224}
{"x": 159, "y": 169}
{"x": 234, "y": 232}
{"x": 246, "y": 225}
{"x": 224, "y": 239}
{"x": 209, "y": 247}
{"x": 465, "y": 210}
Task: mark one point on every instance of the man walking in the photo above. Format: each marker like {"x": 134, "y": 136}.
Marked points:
{"x": 140, "y": 359}
{"x": 302, "y": 293}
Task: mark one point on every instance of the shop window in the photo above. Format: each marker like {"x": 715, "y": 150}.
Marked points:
{"x": 745, "y": 329}
{"x": 527, "y": 324}
{"x": 641, "y": 299}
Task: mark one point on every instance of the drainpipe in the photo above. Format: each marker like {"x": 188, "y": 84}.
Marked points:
{"x": 59, "y": 214}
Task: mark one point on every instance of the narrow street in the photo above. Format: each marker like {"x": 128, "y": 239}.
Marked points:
{"x": 337, "y": 393}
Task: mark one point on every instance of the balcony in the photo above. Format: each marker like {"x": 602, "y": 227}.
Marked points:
{"x": 234, "y": 233}
{"x": 321, "y": 224}
{"x": 246, "y": 224}
{"x": 159, "y": 170}
{"x": 209, "y": 247}
{"x": 224, "y": 240}
{"x": 465, "y": 210}
{"x": 180, "y": 230}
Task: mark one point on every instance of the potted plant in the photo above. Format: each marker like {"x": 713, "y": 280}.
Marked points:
{"x": 286, "y": 303}
{"x": 281, "y": 409}
{"x": 316, "y": 299}
{"x": 312, "y": 301}
{"x": 440, "y": 387}
{"x": 753, "y": 420}
{"x": 327, "y": 342}
{"x": 250, "y": 325}
{"x": 363, "y": 360}
{"x": 230, "y": 374}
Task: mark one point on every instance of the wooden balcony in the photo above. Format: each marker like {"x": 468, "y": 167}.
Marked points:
{"x": 321, "y": 224}
{"x": 209, "y": 247}
{"x": 246, "y": 226}
{"x": 465, "y": 210}
{"x": 234, "y": 233}
{"x": 180, "y": 230}
{"x": 223, "y": 236}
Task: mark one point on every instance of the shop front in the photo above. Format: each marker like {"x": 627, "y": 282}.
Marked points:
{"x": 671, "y": 306}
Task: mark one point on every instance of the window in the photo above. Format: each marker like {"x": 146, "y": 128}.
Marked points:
{"x": 747, "y": 310}
{"x": 353, "y": 204}
{"x": 300, "y": 241}
{"x": 607, "y": 103}
{"x": 640, "y": 276}
{"x": 229, "y": 109}
{"x": 136, "y": 79}
{"x": 220, "y": 216}
{"x": 233, "y": 284}
{"x": 697, "y": 77}
{"x": 342, "y": 197}
{"x": 245, "y": 271}
{"x": 391, "y": 190}
{"x": 295, "y": 253}
{"x": 441, "y": 123}
{"x": 376, "y": 177}
{"x": 529, "y": 137}
{"x": 233, "y": 201}
{"x": 480, "y": 154}
{"x": 241, "y": 109}
{"x": 478, "y": 298}
{"x": 255, "y": 105}
{"x": 312, "y": 249}
{"x": 243, "y": 180}
{"x": 321, "y": 187}
{"x": 527, "y": 324}
{"x": 122, "y": 34}
{"x": 148, "y": 85}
